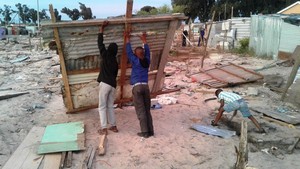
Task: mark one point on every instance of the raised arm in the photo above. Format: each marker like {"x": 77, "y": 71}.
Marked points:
{"x": 101, "y": 46}
{"x": 129, "y": 51}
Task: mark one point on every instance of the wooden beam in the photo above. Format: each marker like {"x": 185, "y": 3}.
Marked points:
{"x": 247, "y": 70}
{"x": 52, "y": 161}
{"x": 296, "y": 55}
{"x": 62, "y": 62}
{"x": 25, "y": 156}
{"x": 69, "y": 159}
{"x": 124, "y": 58}
{"x": 205, "y": 46}
{"x": 90, "y": 162}
{"x": 292, "y": 147}
{"x": 62, "y": 161}
{"x": 164, "y": 58}
{"x": 242, "y": 156}
{"x": 87, "y": 155}
{"x": 97, "y": 22}
{"x": 102, "y": 145}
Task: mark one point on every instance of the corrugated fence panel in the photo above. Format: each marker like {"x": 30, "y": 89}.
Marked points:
{"x": 80, "y": 43}
{"x": 242, "y": 26}
{"x": 290, "y": 37}
{"x": 265, "y": 35}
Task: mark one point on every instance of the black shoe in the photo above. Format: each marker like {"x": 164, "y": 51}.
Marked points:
{"x": 143, "y": 134}
{"x": 151, "y": 133}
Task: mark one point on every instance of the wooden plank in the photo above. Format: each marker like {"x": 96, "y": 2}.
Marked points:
{"x": 292, "y": 147}
{"x": 296, "y": 55}
{"x": 97, "y": 22}
{"x": 69, "y": 159}
{"x": 242, "y": 156}
{"x": 289, "y": 117}
{"x": 164, "y": 58}
{"x": 62, "y": 161}
{"x": 62, "y": 137}
{"x": 52, "y": 161}
{"x": 62, "y": 62}
{"x": 90, "y": 162}
{"x": 205, "y": 47}
{"x": 247, "y": 70}
{"x": 25, "y": 156}
{"x": 102, "y": 145}
{"x": 243, "y": 78}
{"x": 124, "y": 58}
{"x": 87, "y": 155}
{"x": 10, "y": 93}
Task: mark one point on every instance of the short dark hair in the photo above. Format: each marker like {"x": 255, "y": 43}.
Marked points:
{"x": 137, "y": 48}
{"x": 218, "y": 91}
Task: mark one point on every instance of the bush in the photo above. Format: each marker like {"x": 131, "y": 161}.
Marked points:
{"x": 243, "y": 49}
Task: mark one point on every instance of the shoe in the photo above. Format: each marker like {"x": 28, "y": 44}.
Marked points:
{"x": 114, "y": 129}
{"x": 151, "y": 133}
{"x": 103, "y": 131}
{"x": 143, "y": 134}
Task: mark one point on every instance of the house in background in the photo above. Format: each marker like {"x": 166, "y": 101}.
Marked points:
{"x": 292, "y": 9}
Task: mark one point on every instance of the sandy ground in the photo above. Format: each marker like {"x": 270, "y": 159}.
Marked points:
{"x": 174, "y": 145}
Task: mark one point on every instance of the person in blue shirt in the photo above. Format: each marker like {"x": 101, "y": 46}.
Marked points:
{"x": 140, "y": 61}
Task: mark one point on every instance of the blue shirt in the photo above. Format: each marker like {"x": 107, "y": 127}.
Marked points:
{"x": 138, "y": 73}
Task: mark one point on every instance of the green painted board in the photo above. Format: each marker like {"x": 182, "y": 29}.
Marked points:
{"x": 62, "y": 137}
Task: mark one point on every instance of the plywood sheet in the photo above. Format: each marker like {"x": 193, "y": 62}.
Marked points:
{"x": 25, "y": 156}
{"x": 62, "y": 137}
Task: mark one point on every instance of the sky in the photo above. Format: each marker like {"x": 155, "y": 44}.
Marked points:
{"x": 100, "y": 8}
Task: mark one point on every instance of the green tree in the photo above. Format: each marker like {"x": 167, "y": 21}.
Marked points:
{"x": 73, "y": 14}
{"x": 23, "y": 12}
{"x": 196, "y": 8}
{"x": 6, "y": 13}
{"x": 86, "y": 13}
{"x": 57, "y": 15}
{"x": 148, "y": 10}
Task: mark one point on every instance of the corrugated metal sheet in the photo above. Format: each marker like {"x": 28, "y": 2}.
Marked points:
{"x": 81, "y": 53}
{"x": 80, "y": 43}
{"x": 265, "y": 35}
{"x": 242, "y": 26}
{"x": 290, "y": 37}
{"x": 226, "y": 75}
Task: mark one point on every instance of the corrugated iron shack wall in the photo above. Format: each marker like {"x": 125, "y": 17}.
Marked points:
{"x": 271, "y": 35}
{"x": 265, "y": 35}
{"x": 290, "y": 37}
{"x": 240, "y": 29}
{"x": 81, "y": 54}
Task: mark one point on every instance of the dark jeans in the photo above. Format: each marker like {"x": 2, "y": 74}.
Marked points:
{"x": 142, "y": 103}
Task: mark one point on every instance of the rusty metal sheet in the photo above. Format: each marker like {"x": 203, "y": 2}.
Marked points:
{"x": 226, "y": 75}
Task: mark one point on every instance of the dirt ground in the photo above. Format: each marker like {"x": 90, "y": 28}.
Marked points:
{"x": 174, "y": 145}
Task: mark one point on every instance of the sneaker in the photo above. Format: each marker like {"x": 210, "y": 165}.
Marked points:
{"x": 143, "y": 134}
{"x": 103, "y": 131}
{"x": 114, "y": 129}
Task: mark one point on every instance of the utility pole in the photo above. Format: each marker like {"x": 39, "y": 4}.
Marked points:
{"x": 38, "y": 14}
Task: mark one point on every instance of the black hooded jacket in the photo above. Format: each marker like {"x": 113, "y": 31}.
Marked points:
{"x": 108, "y": 64}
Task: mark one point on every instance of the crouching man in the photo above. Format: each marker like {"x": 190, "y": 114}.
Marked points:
{"x": 233, "y": 102}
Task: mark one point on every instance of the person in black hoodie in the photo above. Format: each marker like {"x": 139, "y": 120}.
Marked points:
{"x": 107, "y": 83}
